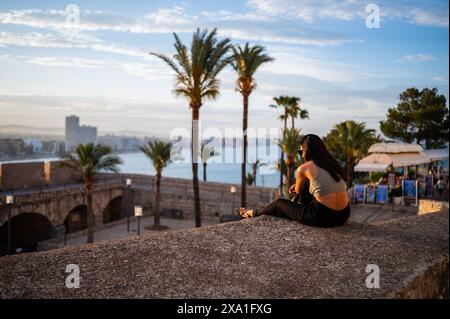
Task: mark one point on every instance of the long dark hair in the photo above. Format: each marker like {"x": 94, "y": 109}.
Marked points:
{"x": 317, "y": 152}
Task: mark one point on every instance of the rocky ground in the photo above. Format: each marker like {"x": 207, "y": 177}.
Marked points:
{"x": 263, "y": 257}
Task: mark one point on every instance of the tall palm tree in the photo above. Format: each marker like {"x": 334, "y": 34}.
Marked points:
{"x": 159, "y": 153}
{"x": 89, "y": 160}
{"x": 246, "y": 62}
{"x": 207, "y": 152}
{"x": 284, "y": 102}
{"x": 295, "y": 111}
{"x": 349, "y": 141}
{"x": 290, "y": 145}
{"x": 196, "y": 79}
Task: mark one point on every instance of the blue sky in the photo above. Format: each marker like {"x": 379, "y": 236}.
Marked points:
{"x": 323, "y": 50}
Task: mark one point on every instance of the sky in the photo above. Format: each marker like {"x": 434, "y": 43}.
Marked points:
{"x": 328, "y": 53}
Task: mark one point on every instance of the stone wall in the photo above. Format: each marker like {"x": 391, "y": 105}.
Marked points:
{"x": 215, "y": 198}
{"x": 260, "y": 258}
{"x": 427, "y": 206}
{"x": 22, "y": 175}
{"x": 56, "y": 174}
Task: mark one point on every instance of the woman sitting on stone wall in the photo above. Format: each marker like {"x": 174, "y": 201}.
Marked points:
{"x": 320, "y": 187}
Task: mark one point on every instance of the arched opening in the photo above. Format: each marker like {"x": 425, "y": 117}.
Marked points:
{"x": 27, "y": 230}
{"x": 76, "y": 220}
{"x": 113, "y": 211}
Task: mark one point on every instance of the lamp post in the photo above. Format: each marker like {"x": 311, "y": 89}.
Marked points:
{"x": 128, "y": 181}
{"x": 233, "y": 191}
{"x": 9, "y": 202}
{"x": 138, "y": 214}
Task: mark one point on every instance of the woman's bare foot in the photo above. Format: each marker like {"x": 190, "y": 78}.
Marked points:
{"x": 246, "y": 213}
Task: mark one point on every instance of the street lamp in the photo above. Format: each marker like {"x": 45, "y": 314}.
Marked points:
{"x": 138, "y": 214}
{"x": 9, "y": 202}
{"x": 233, "y": 191}
{"x": 128, "y": 181}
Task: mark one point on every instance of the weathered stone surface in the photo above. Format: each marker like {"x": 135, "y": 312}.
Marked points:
{"x": 430, "y": 206}
{"x": 264, "y": 257}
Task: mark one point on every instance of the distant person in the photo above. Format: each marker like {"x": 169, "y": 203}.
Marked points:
{"x": 440, "y": 186}
{"x": 320, "y": 185}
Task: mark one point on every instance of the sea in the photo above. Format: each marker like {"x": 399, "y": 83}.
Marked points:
{"x": 224, "y": 167}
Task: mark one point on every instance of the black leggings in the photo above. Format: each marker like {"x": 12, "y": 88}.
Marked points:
{"x": 307, "y": 211}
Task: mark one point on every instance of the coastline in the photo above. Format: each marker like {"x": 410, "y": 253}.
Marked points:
{"x": 35, "y": 157}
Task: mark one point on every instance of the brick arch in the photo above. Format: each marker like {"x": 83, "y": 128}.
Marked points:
{"x": 17, "y": 211}
{"x": 113, "y": 210}
{"x": 76, "y": 219}
{"x": 27, "y": 229}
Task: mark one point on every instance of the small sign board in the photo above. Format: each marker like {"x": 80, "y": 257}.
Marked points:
{"x": 359, "y": 193}
{"x": 371, "y": 192}
{"x": 382, "y": 194}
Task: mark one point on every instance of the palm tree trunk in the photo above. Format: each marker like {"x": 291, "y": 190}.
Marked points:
{"x": 349, "y": 170}
{"x": 281, "y": 173}
{"x": 204, "y": 171}
{"x": 156, "y": 222}
{"x": 293, "y": 123}
{"x": 195, "y": 128}
{"x": 290, "y": 171}
{"x": 282, "y": 154}
{"x": 90, "y": 214}
{"x": 244, "y": 152}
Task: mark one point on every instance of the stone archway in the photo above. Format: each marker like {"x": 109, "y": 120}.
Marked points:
{"x": 27, "y": 229}
{"x": 76, "y": 220}
{"x": 114, "y": 210}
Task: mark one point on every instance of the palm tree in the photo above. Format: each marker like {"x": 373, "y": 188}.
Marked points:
{"x": 159, "y": 153}
{"x": 349, "y": 141}
{"x": 88, "y": 160}
{"x": 290, "y": 145}
{"x": 255, "y": 166}
{"x": 207, "y": 152}
{"x": 196, "y": 79}
{"x": 246, "y": 61}
{"x": 295, "y": 111}
{"x": 284, "y": 102}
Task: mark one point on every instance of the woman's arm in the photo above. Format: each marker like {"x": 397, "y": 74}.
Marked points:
{"x": 301, "y": 179}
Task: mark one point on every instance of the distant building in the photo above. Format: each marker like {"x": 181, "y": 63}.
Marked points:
{"x": 35, "y": 144}
{"x": 121, "y": 143}
{"x": 76, "y": 134}
{"x": 11, "y": 146}
{"x": 53, "y": 147}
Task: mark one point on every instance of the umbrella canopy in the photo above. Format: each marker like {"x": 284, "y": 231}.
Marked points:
{"x": 396, "y": 154}
{"x": 395, "y": 148}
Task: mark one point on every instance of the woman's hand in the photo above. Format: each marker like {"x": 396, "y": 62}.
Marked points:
{"x": 292, "y": 189}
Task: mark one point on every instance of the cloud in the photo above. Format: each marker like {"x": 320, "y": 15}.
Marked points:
{"x": 161, "y": 21}
{"x": 426, "y": 14}
{"x": 295, "y": 64}
{"x": 66, "y": 62}
{"x": 439, "y": 79}
{"x": 434, "y": 18}
{"x": 68, "y": 40}
{"x": 417, "y": 58}
{"x": 259, "y": 34}
{"x": 168, "y": 20}
{"x": 309, "y": 11}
